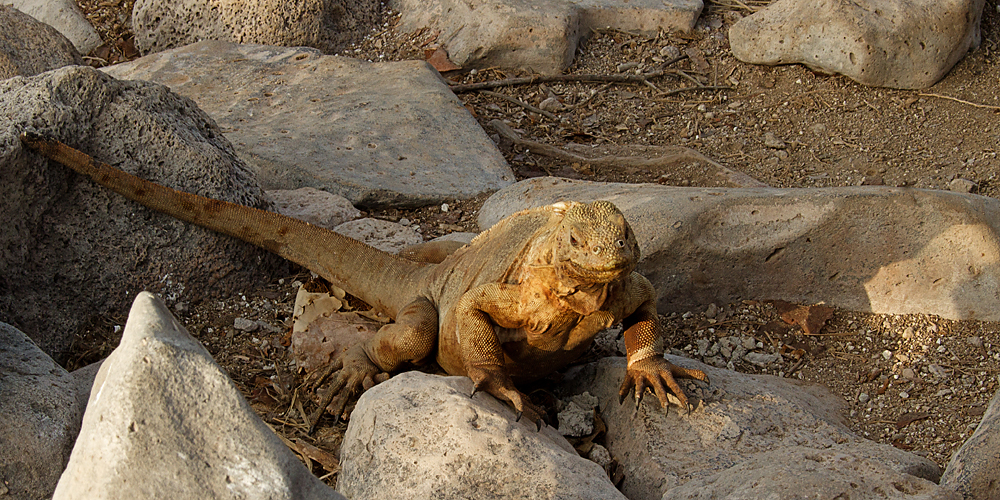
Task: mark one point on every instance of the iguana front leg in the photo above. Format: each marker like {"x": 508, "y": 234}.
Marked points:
{"x": 411, "y": 339}
{"x": 647, "y": 369}
{"x": 476, "y": 314}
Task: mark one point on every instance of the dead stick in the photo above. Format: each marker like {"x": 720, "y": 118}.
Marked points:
{"x": 963, "y": 101}
{"x": 529, "y": 80}
{"x": 738, "y": 178}
{"x": 521, "y": 103}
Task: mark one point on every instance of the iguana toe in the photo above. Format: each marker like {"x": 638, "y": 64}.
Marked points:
{"x": 658, "y": 375}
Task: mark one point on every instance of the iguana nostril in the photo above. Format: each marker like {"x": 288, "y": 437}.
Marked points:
{"x": 598, "y": 250}
{"x": 621, "y": 243}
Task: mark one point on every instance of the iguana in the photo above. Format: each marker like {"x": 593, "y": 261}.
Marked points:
{"x": 523, "y": 299}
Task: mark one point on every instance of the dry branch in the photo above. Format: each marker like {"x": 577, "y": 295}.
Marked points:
{"x": 681, "y": 153}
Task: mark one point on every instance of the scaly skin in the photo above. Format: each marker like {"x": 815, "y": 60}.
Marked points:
{"x": 522, "y": 300}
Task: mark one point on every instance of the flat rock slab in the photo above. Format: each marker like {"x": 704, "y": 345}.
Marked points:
{"x": 420, "y": 436}
{"x": 535, "y": 35}
{"x": 376, "y": 133}
{"x": 165, "y": 421}
{"x": 877, "y": 249}
{"x": 750, "y": 436}
{"x": 907, "y": 44}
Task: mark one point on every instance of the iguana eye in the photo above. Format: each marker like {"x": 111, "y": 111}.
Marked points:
{"x": 598, "y": 250}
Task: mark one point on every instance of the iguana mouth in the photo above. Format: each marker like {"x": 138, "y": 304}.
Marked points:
{"x": 589, "y": 273}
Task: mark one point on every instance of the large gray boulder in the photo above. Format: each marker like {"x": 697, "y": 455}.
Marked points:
{"x": 535, "y": 35}
{"x": 327, "y": 25}
{"x": 875, "y": 249}
{"x": 39, "y": 418}
{"x": 66, "y": 17}
{"x": 421, "y": 436}
{"x": 751, "y": 436}
{"x": 165, "y": 421}
{"x": 908, "y": 44}
{"x": 379, "y": 134}
{"x": 70, "y": 249}
{"x": 29, "y": 47}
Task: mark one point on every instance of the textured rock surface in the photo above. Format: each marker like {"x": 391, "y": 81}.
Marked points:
{"x": 421, "y": 436}
{"x": 39, "y": 418}
{"x": 884, "y": 250}
{"x": 906, "y": 44}
{"x": 70, "y": 249}
{"x": 802, "y": 472}
{"x": 375, "y": 133}
{"x": 382, "y": 234}
{"x": 743, "y": 425}
{"x": 164, "y": 421}
{"x": 314, "y": 206}
{"x": 324, "y": 24}
{"x": 29, "y": 47}
{"x": 974, "y": 470}
{"x": 540, "y": 35}
{"x": 66, "y": 17}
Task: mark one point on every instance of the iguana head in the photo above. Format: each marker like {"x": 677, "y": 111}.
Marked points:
{"x": 594, "y": 243}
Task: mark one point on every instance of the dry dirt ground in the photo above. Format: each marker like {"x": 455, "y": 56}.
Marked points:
{"x": 917, "y": 382}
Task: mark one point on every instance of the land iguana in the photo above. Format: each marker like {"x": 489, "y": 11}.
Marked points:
{"x": 522, "y": 300}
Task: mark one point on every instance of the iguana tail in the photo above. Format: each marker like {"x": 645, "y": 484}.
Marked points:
{"x": 384, "y": 281}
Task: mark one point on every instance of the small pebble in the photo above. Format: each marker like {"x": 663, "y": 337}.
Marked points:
{"x": 904, "y": 394}
{"x": 623, "y": 67}
{"x": 773, "y": 142}
{"x": 908, "y": 333}
{"x": 711, "y": 311}
{"x": 863, "y": 397}
{"x": 975, "y": 341}
{"x": 245, "y": 325}
{"x": 887, "y": 355}
{"x": 909, "y": 374}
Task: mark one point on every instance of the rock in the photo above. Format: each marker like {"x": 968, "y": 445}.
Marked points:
{"x": 773, "y": 142}
{"x": 576, "y": 421}
{"x": 40, "y": 417}
{"x": 974, "y": 470}
{"x": 72, "y": 249}
{"x": 66, "y": 17}
{"x": 802, "y": 472}
{"x": 29, "y": 47}
{"x": 165, "y": 420}
{"x": 378, "y": 134}
{"x": 877, "y": 249}
{"x": 540, "y": 36}
{"x": 960, "y": 185}
{"x": 83, "y": 380}
{"x": 421, "y": 436}
{"x": 314, "y": 206}
{"x": 885, "y": 43}
{"x": 328, "y": 25}
{"x": 382, "y": 234}
{"x": 742, "y": 423}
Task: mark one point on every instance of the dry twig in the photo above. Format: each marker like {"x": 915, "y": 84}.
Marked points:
{"x": 682, "y": 153}
{"x": 521, "y": 103}
{"x": 963, "y": 101}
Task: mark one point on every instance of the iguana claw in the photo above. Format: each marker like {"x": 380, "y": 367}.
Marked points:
{"x": 657, "y": 374}
{"x": 495, "y": 381}
{"x": 353, "y": 374}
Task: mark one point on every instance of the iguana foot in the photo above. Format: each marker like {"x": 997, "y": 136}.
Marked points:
{"x": 353, "y": 374}
{"x": 495, "y": 381}
{"x": 657, "y": 374}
